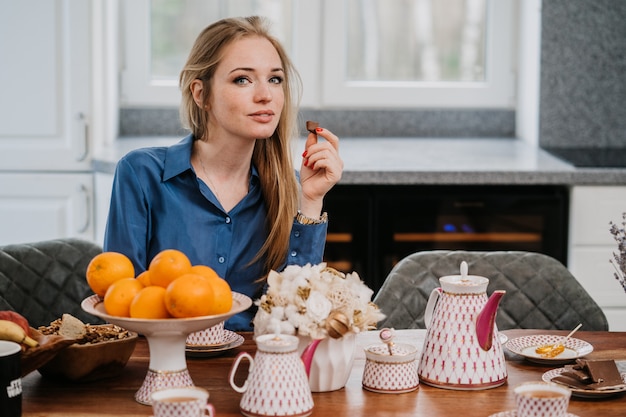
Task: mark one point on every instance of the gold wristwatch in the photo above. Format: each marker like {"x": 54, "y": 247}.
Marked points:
{"x": 302, "y": 219}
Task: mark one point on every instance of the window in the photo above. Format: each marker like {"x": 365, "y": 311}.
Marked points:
{"x": 350, "y": 53}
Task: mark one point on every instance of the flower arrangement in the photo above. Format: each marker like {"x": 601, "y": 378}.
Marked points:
{"x": 315, "y": 301}
{"x": 619, "y": 259}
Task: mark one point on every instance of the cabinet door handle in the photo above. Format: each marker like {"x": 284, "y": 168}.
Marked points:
{"x": 84, "y": 191}
{"x": 85, "y": 133}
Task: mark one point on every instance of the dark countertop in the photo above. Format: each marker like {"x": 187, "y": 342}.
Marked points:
{"x": 592, "y": 157}
{"x": 426, "y": 161}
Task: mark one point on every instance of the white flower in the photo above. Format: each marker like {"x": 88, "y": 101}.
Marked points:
{"x": 308, "y": 300}
{"x": 317, "y": 306}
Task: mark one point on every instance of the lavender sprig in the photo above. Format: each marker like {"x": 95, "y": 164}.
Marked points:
{"x": 619, "y": 259}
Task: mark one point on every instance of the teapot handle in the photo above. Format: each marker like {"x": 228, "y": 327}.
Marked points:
{"x": 233, "y": 370}
{"x": 430, "y": 306}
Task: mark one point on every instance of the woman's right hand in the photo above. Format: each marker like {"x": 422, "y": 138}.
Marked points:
{"x": 321, "y": 169}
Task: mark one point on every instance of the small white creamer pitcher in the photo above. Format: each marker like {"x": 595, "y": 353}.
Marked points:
{"x": 277, "y": 383}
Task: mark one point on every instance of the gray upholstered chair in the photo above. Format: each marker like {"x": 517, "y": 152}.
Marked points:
{"x": 43, "y": 280}
{"x": 540, "y": 291}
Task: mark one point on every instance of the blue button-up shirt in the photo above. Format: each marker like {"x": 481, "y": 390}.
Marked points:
{"x": 159, "y": 203}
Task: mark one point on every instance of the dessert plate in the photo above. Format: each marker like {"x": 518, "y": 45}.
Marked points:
{"x": 233, "y": 340}
{"x": 513, "y": 413}
{"x": 585, "y": 393}
{"x": 526, "y": 345}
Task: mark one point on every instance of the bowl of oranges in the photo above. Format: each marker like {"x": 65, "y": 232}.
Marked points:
{"x": 166, "y": 303}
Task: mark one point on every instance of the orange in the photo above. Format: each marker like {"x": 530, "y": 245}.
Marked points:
{"x": 149, "y": 303}
{"x": 168, "y": 265}
{"x": 106, "y": 268}
{"x": 189, "y": 296}
{"x": 222, "y": 299}
{"x": 120, "y": 294}
{"x": 144, "y": 278}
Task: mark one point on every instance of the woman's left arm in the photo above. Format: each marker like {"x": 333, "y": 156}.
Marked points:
{"x": 307, "y": 243}
{"x": 321, "y": 169}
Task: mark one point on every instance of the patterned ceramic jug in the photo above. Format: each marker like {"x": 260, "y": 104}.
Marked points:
{"x": 277, "y": 383}
{"x": 462, "y": 348}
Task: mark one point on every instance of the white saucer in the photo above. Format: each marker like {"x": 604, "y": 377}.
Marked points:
{"x": 235, "y": 340}
{"x": 526, "y": 345}
{"x": 513, "y": 413}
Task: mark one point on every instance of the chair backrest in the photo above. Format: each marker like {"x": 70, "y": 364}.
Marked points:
{"x": 44, "y": 280}
{"x": 541, "y": 293}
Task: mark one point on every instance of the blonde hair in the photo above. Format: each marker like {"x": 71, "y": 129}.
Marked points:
{"x": 271, "y": 156}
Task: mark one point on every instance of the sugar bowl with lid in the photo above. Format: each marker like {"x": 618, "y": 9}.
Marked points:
{"x": 390, "y": 368}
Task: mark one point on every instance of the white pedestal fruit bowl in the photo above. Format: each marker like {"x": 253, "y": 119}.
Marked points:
{"x": 166, "y": 341}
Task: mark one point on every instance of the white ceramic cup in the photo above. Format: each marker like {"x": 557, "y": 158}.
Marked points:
{"x": 541, "y": 399}
{"x": 182, "y": 401}
{"x": 212, "y": 336}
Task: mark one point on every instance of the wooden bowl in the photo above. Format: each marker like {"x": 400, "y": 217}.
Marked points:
{"x": 49, "y": 346}
{"x": 91, "y": 361}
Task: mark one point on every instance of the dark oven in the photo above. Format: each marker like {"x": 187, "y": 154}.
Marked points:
{"x": 372, "y": 227}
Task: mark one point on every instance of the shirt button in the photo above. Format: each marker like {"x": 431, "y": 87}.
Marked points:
{"x": 293, "y": 254}
{"x": 227, "y": 220}
{"x": 296, "y": 233}
{"x": 221, "y": 259}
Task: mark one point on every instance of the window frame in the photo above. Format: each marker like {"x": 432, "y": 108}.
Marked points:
{"x": 315, "y": 56}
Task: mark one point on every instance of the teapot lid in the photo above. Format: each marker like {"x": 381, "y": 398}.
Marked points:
{"x": 278, "y": 343}
{"x": 464, "y": 283}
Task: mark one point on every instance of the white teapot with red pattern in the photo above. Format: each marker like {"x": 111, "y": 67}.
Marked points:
{"x": 462, "y": 349}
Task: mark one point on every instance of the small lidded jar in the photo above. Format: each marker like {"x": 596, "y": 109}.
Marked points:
{"x": 390, "y": 368}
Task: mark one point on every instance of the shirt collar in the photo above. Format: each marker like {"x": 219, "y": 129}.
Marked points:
{"x": 178, "y": 159}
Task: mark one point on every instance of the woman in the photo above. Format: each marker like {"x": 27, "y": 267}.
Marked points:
{"x": 227, "y": 195}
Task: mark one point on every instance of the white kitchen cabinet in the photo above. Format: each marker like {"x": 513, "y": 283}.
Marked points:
{"x": 41, "y": 206}
{"x": 592, "y": 246}
{"x": 46, "y": 183}
{"x": 45, "y": 84}
{"x": 103, "y": 186}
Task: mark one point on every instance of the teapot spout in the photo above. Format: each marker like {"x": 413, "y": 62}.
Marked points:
{"x": 307, "y": 355}
{"x": 485, "y": 321}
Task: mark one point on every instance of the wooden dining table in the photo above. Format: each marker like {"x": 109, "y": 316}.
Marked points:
{"x": 44, "y": 397}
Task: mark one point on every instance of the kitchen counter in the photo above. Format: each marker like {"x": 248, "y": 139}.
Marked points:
{"x": 417, "y": 161}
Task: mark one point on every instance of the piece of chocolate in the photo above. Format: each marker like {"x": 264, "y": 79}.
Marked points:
{"x": 577, "y": 372}
{"x": 603, "y": 372}
{"x": 311, "y": 126}
{"x": 570, "y": 382}
{"x": 591, "y": 375}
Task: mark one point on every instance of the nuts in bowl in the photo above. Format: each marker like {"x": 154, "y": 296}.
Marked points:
{"x": 99, "y": 351}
